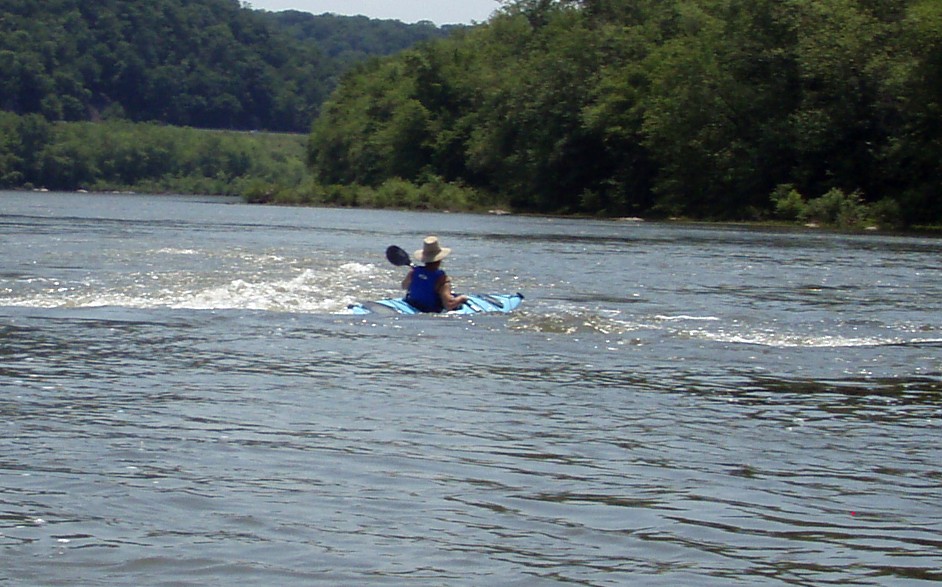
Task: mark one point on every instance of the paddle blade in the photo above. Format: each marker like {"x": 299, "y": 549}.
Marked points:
{"x": 397, "y": 256}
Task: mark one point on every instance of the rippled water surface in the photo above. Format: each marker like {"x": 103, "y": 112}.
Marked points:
{"x": 185, "y": 400}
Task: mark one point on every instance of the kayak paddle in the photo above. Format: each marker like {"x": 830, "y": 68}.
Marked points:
{"x": 398, "y": 257}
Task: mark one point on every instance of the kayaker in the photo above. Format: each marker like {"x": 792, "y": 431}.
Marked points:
{"x": 428, "y": 287}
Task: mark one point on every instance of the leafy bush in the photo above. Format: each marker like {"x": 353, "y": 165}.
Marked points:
{"x": 887, "y": 213}
{"x": 836, "y": 208}
{"x": 789, "y": 203}
{"x": 438, "y": 194}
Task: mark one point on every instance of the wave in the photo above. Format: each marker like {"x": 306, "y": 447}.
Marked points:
{"x": 792, "y": 340}
{"x": 310, "y": 291}
{"x": 642, "y": 329}
{"x": 330, "y": 289}
{"x": 684, "y": 317}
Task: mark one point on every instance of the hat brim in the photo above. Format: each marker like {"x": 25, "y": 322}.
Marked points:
{"x": 444, "y": 252}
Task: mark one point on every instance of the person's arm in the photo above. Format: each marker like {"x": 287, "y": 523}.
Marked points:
{"x": 408, "y": 279}
{"x": 449, "y": 300}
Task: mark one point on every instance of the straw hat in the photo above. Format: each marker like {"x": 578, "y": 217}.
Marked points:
{"x": 431, "y": 251}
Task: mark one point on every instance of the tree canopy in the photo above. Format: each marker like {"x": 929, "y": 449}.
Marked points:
{"x": 203, "y": 63}
{"x": 813, "y": 110}
{"x": 716, "y": 109}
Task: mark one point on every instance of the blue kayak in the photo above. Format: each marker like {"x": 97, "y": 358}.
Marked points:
{"x": 476, "y": 304}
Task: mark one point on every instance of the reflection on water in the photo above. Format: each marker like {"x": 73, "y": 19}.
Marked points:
{"x": 671, "y": 405}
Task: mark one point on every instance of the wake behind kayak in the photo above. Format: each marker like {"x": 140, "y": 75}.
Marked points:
{"x": 476, "y": 304}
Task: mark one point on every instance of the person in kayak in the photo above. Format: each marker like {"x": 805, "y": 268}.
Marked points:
{"x": 427, "y": 287}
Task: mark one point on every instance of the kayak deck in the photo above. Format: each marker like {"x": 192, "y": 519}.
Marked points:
{"x": 476, "y": 304}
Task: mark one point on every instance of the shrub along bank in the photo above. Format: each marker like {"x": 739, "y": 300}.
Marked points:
{"x": 35, "y": 153}
{"x": 270, "y": 168}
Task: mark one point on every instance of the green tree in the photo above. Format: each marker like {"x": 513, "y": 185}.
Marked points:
{"x": 835, "y": 129}
{"x": 11, "y": 162}
{"x": 911, "y": 95}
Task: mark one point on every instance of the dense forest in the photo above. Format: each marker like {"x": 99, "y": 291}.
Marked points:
{"x": 202, "y": 63}
{"x": 826, "y": 111}
{"x": 351, "y": 39}
{"x": 816, "y": 110}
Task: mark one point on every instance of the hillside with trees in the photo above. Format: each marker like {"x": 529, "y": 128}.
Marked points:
{"x": 813, "y": 110}
{"x": 824, "y": 111}
{"x": 202, "y": 63}
{"x": 351, "y": 39}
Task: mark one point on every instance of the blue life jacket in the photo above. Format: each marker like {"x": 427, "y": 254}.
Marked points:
{"x": 422, "y": 291}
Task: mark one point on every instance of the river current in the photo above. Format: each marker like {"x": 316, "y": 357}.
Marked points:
{"x": 186, "y": 400}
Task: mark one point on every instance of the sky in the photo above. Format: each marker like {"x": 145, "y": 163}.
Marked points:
{"x": 438, "y": 11}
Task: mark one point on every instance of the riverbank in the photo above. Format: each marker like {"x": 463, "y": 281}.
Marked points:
{"x": 437, "y": 205}
{"x": 271, "y": 168}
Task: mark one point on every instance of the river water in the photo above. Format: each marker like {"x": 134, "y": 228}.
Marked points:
{"x": 185, "y": 400}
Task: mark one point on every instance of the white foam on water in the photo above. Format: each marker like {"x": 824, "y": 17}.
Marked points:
{"x": 297, "y": 294}
{"x": 172, "y": 251}
{"x": 361, "y": 268}
{"x": 310, "y": 290}
{"x": 793, "y": 340}
{"x": 686, "y": 318}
